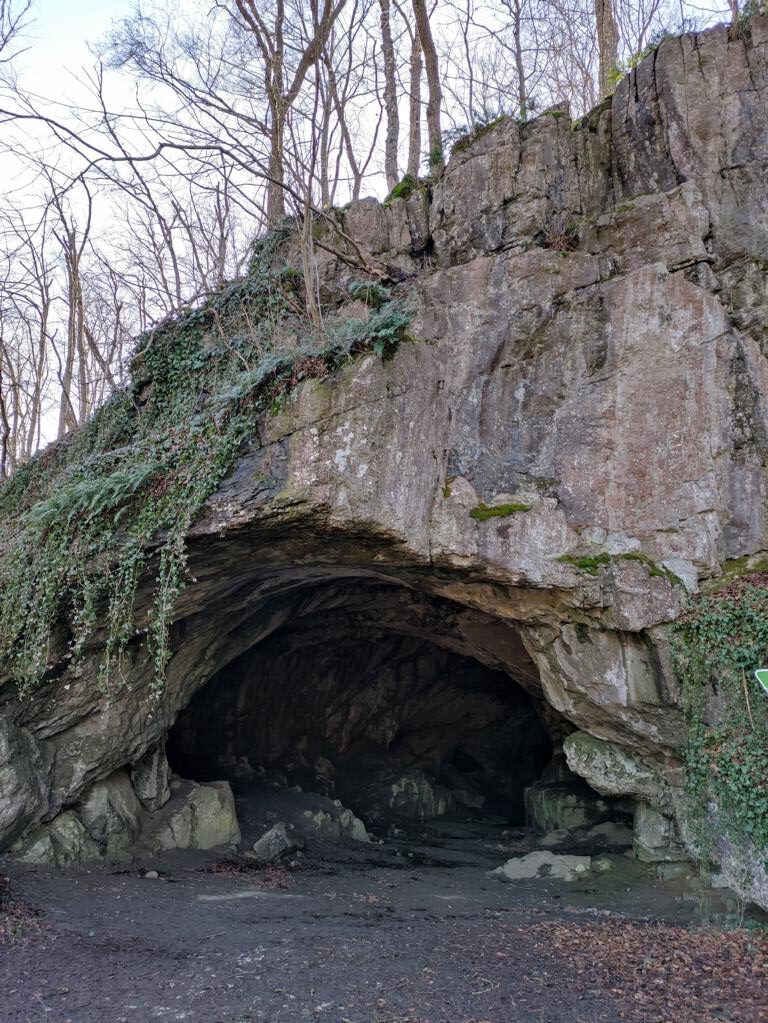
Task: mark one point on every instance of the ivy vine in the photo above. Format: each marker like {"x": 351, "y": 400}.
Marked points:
{"x": 88, "y": 519}
{"x": 718, "y": 644}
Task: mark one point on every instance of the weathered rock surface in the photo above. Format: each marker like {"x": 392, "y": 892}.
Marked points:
{"x": 111, "y": 814}
{"x": 23, "y": 781}
{"x": 614, "y": 771}
{"x": 151, "y": 778}
{"x": 564, "y": 806}
{"x": 63, "y": 843}
{"x": 592, "y": 304}
{"x": 656, "y": 837}
{"x": 337, "y": 824}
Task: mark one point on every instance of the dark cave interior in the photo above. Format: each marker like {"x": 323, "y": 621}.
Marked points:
{"x": 393, "y": 724}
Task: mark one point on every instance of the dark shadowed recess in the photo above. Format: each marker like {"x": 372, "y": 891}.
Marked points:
{"x": 367, "y": 694}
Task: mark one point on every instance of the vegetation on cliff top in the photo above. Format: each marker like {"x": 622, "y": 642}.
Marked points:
{"x": 86, "y": 520}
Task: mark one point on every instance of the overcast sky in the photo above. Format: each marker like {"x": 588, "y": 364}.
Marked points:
{"x": 57, "y": 39}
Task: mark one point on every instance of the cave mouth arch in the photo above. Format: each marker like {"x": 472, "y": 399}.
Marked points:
{"x": 374, "y": 693}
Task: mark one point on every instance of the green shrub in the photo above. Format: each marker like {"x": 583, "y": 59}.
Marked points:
{"x": 373, "y": 293}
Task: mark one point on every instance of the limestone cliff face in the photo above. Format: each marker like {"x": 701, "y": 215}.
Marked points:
{"x": 591, "y": 304}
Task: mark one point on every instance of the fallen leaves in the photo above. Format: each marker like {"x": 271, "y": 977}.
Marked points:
{"x": 664, "y": 974}
{"x": 16, "y": 918}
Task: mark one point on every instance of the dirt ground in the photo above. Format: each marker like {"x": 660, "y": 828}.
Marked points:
{"x": 403, "y": 932}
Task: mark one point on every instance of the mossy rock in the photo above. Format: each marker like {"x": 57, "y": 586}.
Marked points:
{"x": 461, "y": 145}
{"x": 737, "y": 568}
{"x": 483, "y": 512}
{"x": 590, "y": 563}
{"x": 404, "y": 189}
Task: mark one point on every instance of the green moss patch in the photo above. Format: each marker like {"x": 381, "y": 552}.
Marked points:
{"x": 590, "y": 564}
{"x": 404, "y": 189}
{"x": 654, "y": 569}
{"x": 483, "y": 512}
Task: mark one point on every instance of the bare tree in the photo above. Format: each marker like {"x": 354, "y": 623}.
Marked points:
{"x": 283, "y": 84}
{"x": 435, "y": 100}
{"x": 12, "y": 24}
{"x": 390, "y": 97}
{"x": 607, "y": 44}
{"x": 413, "y": 91}
{"x": 414, "y": 107}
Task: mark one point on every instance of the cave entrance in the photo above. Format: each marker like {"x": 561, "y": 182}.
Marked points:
{"x": 375, "y": 701}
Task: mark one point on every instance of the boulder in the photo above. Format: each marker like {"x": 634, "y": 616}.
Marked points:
{"x": 609, "y": 836}
{"x": 564, "y": 806}
{"x": 613, "y": 770}
{"x": 111, "y": 813}
{"x": 541, "y": 864}
{"x": 63, "y": 843}
{"x": 278, "y": 841}
{"x": 337, "y": 824}
{"x": 196, "y": 817}
{"x": 151, "y": 777}
{"x": 656, "y": 839}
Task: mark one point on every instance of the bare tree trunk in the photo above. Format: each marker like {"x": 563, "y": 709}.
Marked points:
{"x": 414, "y": 133}
{"x": 607, "y": 44}
{"x": 325, "y": 150}
{"x": 275, "y": 190}
{"x": 35, "y": 412}
{"x": 5, "y": 425}
{"x": 67, "y": 417}
{"x": 517, "y": 35}
{"x": 435, "y": 100}
{"x": 347, "y": 140}
{"x": 280, "y": 94}
{"x": 392, "y": 138}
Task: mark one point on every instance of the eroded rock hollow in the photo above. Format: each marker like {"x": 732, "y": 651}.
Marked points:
{"x": 468, "y": 554}
{"x": 367, "y": 701}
